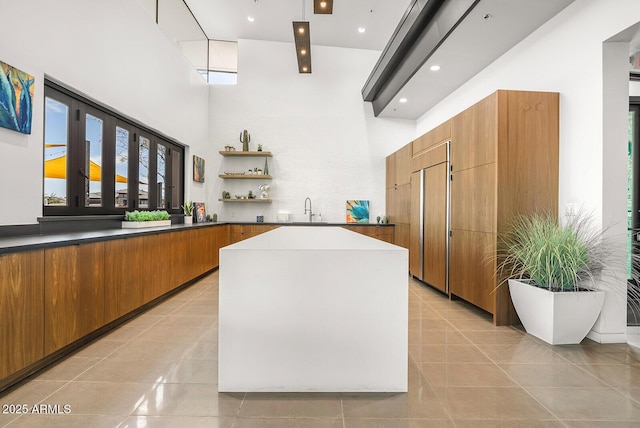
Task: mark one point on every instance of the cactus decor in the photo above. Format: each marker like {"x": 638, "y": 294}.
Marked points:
{"x": 245, "y": 138}
{"x": 266, "y": 167}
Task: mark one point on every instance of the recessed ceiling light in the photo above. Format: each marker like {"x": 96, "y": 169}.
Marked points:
{"x": 250, "y": 18}
{"x": 402, "y": 100}
{"x": 305, "y": 69}
{"x": 303, "y": 51}
{"x": 361, "y": 29}
{"x": 435, "y": 68}
{"x": 301, "y": 30}
{"x": 323, "y": 4}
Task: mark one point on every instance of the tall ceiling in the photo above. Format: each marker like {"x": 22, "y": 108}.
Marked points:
{"x": 228, "y": 20}
{"x": 484, "y": 31}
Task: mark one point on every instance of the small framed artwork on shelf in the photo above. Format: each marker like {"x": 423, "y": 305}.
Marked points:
{"x": 198, "y": 169}
{"x": 357, "y": 211}
{"x": 200, "y": 212}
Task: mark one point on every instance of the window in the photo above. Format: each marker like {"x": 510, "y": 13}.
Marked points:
{"x": 96, "y": 162}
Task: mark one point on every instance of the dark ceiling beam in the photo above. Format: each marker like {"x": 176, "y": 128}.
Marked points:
{"x": 422, "y": 29}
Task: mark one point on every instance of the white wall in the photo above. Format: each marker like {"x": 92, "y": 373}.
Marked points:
{"x": 566, "y": 55}
{"x": 327, "y": 144}
{"x": 112, "y": 52}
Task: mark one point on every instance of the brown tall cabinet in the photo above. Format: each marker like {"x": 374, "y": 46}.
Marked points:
{"x": 504, "y": 161}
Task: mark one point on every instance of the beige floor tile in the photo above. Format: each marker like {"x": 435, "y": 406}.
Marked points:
{"x": 173, "y": 334}
{"x": 495, "y": 403}
{"x": 128, "y": 370}
{"x": 521, "y": 423}
{"x": 474, "y": 324}
{"x": 524, "y": 352}
{"x": 179, "y": 422}
{"x": 448, "y": 353}
{"x": 288, "y": 423}
{"x": 418, "y": 403}
{"x": 601, "y": 424}
{"x": 68, "y": 369}
{"x": 203, "y": 350}
{"x": 617, "y": 375}
{"x": 551, "y": 375}
{"x": 67, "y": 421}
{"x": 194, "y": 371}
{"x": 99, "y": 348}
{"x": 398, "y": 423}
{"x": 437, "y": 337}
{"x": 187, "y": 400}
{"x": 588, "y": 403}
{"x": 148, "y": 350}
{"x": 125, "y": 333}
{"x": 498, "y": 336}
{"x": 100, "y": 398}
{"x": 184, "y": 321}
{"x": 465, "y": 374}
{"x": 284, "y": 405}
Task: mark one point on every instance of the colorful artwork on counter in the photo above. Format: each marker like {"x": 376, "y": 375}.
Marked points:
{"x": 16, "y": 99}
{"x": 357, "y": 211}
{"x": 198, "y": 169}
{"x": 200, "y": 212}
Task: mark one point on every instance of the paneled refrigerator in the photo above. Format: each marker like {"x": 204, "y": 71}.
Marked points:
{"x": 430, "y": 218}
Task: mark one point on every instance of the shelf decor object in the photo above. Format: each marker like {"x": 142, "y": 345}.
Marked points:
{"x": 245, "y": 139}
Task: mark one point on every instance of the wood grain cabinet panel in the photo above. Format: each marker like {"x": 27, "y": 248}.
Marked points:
{"x": 474, "y": 135}
{"x": 21, "y": 315}
{"x": 74, "y": 293}
{"x": 471, "y": 274}
{"x": 391, "y": 171}
{"x": 403, "y": 165}
{"x": 124, "y": 259}
{"x": 157, "y": 272}
{"x": 437, "y": 135}
{"x": 473, "y": 199}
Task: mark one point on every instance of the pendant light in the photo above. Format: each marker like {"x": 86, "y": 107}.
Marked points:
{"x": 302, "y": 39}
{"x": 323, "y": 7}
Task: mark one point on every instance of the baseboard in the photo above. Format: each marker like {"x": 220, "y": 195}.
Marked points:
{"x": 607, "y": 337}
{"x": 633, "y": 336}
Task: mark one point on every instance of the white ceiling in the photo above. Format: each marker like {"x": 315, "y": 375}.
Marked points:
{"x": 227, "y": 20}
{"x": 473, "y": 45}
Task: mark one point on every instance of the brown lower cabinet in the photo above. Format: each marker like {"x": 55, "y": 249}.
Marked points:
{"x": 54, "y": 297}
{"x": 383, "y": 233}
{"x": 21, "y": 316}
{"x": 73, "y": 293}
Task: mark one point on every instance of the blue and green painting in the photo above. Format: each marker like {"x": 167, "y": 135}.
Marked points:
{"x": 16, "y": 99}
{"x": 357, "y": 211}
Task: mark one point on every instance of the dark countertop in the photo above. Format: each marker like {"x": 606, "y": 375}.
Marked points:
{"x": 17, "y": 244}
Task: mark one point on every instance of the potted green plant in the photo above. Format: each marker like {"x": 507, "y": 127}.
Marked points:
{"x": 552, "y": 271}
{"x": 188, "y": 212}
{"x": 137, "y": 219}
{"x": 259, "y": 147}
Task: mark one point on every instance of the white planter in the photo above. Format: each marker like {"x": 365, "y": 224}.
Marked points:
{"x": 558, "y": 318}
{"x": 139, "y": 224}
{"x": 188, "y": 219}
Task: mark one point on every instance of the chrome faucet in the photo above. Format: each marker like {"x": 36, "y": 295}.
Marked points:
{"x": 305, "y": 209}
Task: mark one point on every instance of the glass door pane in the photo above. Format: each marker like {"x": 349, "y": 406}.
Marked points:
{"x": 94, "y": 128}
{"x": 161, "y": 175}
{"x": 56, "y": 152}
{"x": 176, "y": 179}
{"x": 122, "y": 168}
{"x": 144, "y": 146}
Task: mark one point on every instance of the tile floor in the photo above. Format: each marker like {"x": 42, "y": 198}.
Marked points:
{"x": 159, "y": 370}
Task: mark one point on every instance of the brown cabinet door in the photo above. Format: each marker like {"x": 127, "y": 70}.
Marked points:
{"x": 157, "y": 271}
{"x": 435, "y": 232}
{"x": 123, "y": 276}
{"x": 474, "y": 135}
{"x": 403, "y": 165}
{"x": 391, "y": 171}
{"x": 471, "y": 273}
{"x": 74, "y": 293}
{"x": 21, "y": 316}
{"x": 473, "y": 199}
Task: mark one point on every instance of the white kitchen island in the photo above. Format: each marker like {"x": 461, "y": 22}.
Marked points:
{"x": 313, "y": 308}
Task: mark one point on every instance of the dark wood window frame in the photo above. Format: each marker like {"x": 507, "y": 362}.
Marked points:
{"x": 75, "y": 182}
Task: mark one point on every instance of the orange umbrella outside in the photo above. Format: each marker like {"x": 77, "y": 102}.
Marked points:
{"x": 57, "y": 168}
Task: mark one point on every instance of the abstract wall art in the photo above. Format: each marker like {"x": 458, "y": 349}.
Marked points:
{"x": 16, "y": 99}
{"x": 198, "y": 169}
{"x": 357, "y": 211}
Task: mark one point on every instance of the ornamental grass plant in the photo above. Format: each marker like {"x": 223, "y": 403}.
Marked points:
{"x": 554, "y": 256}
